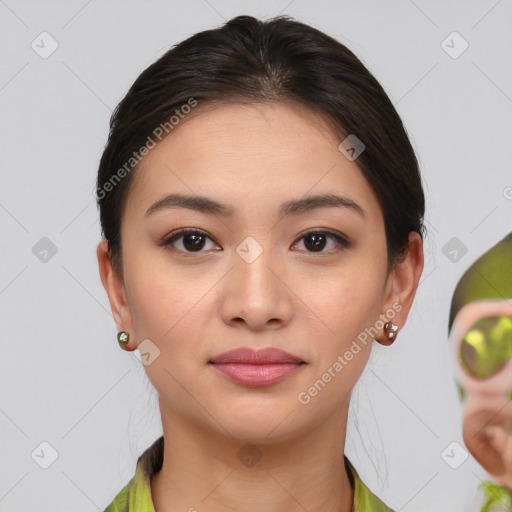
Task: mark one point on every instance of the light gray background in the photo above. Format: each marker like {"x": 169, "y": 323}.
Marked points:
{"x": 64, "y": 379}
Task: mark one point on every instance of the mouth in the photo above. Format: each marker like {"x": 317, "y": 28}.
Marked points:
{"x": 256, "y": 375}
{"x": 300, "y": 363}
{"x": 256, "y": 368}
{"x": 249, "y": 355}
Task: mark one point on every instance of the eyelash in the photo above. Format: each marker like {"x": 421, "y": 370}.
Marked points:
{"x": 342, "y": 241}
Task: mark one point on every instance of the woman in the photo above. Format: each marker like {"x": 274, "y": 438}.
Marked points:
{"x": 262, "y": 213}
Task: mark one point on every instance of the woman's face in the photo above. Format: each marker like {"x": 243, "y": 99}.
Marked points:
{"x": 252, "y": 278}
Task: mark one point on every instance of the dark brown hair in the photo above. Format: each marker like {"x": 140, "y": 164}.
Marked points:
{"x": 279, "y": 60}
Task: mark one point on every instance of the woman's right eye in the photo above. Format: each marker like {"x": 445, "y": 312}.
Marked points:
{"x": 191, "y": 240}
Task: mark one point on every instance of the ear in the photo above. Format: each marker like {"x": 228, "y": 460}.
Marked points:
{"x": 114, "y": 286}
{"x": 404, "y": 279}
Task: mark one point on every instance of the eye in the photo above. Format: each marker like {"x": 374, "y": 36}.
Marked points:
{"x": 193, "y": 240}
{"x": 317, "y": 240}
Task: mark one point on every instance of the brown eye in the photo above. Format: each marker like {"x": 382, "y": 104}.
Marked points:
{"x": 316, "y": 241}
{"x": 192, "y": 240}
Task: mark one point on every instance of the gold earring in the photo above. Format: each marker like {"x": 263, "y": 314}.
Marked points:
{"x": 390, "y": 330}
{"x": 123, "y": 338}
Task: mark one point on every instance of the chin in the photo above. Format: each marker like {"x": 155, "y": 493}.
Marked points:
{"x": 263, "y": 425}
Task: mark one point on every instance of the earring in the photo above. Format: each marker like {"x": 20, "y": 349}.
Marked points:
{"x": 391, "y": 331}
{"x": 123, "y": 337}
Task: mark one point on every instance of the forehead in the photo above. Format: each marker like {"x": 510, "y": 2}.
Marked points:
{"x": 252, "y": 154}
{"x": 227, "y": 121}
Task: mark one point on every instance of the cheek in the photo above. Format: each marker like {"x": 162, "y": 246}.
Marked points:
{"x": 351, "y": 300}
{"x": 349, "y": 305}
{"x": 165, "y": 306}
{"x": 362, "y": 293}
{"x": 170, "y": 311}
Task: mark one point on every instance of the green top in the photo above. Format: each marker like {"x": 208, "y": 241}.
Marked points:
{"x": 136, "y": 495}
{"x": 497, "y": 497}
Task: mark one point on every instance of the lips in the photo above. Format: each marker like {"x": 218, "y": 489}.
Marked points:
{"x": 251, "y": 356}
{"x": 256, "y": 368}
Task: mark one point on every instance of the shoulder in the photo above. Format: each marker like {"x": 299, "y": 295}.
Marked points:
{"x": 364, "y": 499}
{"x": 497, "y": 497}
{"x": 120, "y": 502}
{"x": 135, "y": 496}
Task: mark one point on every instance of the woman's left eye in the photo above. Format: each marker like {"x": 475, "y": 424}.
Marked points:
{"x": 317, "y": 240}
{"x": 193, "y": 240}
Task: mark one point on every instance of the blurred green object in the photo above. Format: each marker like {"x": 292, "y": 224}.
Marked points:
{"x": 487, "y": 346}
{"x": 489, "y": 277}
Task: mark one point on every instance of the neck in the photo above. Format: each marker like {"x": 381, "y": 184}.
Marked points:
{"x": 202, "y": 469}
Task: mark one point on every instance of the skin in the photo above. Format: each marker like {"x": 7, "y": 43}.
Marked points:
{"x": 194, "y": 306}
{"x": 487, "y": 411}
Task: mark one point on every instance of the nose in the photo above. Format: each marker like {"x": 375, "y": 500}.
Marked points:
{"x": 256, "y": 294}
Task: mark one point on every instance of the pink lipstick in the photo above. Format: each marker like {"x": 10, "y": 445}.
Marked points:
{"x": 257, "y": 367}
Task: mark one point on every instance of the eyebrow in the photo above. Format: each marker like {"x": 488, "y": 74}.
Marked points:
{"x": 293, "y": 207}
